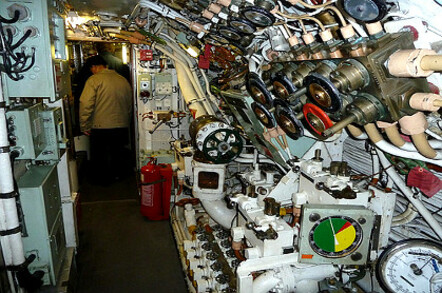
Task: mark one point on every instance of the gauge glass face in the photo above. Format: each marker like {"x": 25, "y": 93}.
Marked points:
{"x": 413, "y": 266}
{"x": 335, "y": 236}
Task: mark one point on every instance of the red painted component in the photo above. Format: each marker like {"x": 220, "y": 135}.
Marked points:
{"x": 156, "y": 185}
{"x": 413, "y": 30}
{"x": 434, "y": 88}
{"x": 318, "y": 112}
{"x": 204, "y": 60}
{"x": 146, "y": 55}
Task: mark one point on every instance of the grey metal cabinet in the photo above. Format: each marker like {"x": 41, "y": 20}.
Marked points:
{"x": 40, "y": 199}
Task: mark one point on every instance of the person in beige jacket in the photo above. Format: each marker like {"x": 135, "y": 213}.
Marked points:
{"x": 105, "y": 111}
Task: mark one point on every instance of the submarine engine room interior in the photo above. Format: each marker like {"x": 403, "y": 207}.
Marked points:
{"x": 289, "y": 146}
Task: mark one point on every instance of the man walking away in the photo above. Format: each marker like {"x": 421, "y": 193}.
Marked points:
{"x": 105, "y": 111}
{"x": 106, "y": 51}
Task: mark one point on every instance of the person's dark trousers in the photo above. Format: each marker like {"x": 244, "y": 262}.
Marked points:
{"x": 107, "y": 153}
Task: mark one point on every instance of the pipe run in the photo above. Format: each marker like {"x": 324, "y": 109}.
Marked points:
{"x": 12, "y": 245}
{"x": 380, "y": 143}
{"x": 218, "y": 211}
{"x": 265, "y": 282}
{"x": 417, "y": 203}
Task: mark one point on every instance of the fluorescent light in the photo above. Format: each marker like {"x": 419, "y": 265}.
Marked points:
{"x": 192, "y": 51}
{"x": 124, "y": 53}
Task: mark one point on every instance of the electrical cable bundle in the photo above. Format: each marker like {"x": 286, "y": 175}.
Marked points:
{"x": 13, "y": 63}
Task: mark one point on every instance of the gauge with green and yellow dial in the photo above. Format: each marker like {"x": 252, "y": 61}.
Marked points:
{"x": 335, "y": 236}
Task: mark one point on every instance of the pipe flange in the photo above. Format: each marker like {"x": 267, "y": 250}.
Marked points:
{"x": 316, "y": 119}
{"x": 258, "y": 16}
{"x": 283, "y": 86}
{"x": 242, "y": 25}
{"x": 258, "y": 89}
{"x": 288, "y": 122}
{"x": 230, "y": 33}
{"x": 323, "y": 93}
{"x": 263, "y": 115}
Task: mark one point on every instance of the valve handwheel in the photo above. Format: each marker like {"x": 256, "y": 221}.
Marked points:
{"x": 283, "y": 86}
{"x": 242, "y": 25}
{"x": 287, "y": 120}
{"x": 263, "y": 115}
{"x": 230, "y": 33}
{"x": 323, "y": 93}
{"x": 222, "y": 146}
{"x": 258, "y": 90}
{"x": 258, "y": 16}
{"x": 317, "y": 119}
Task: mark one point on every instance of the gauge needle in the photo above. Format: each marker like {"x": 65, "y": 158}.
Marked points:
{"x": 333, "y": 230}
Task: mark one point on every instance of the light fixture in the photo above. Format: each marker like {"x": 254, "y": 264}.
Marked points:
{"x": 124, "y": 54}
{"x": 192, "y": 51}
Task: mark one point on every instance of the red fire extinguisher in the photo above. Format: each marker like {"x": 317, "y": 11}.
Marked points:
{"x": 156, "y": 186}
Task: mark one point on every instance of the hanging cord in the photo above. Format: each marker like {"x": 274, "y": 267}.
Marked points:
{"x": 13, "y": 64}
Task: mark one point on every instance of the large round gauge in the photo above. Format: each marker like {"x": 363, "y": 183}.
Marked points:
{"x": 335, "y": 236}
{"x": 412, "y": 265}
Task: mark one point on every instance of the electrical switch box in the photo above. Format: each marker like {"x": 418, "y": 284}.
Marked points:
{"x": 54, "y": 134}
{"x": 48, "y": 77}
{"x": 163, "y": 84}
{"x": 26, "y": 131}
{"x": 41, "y": 203}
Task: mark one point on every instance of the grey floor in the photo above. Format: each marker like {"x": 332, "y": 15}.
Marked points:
{"x": 120, "y": 251}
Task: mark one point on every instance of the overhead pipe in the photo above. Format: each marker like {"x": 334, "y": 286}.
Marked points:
{"x": 418, "y": 204}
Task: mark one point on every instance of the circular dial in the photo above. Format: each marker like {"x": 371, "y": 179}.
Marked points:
{"x": 365, "y": 10}
{"x": 335, "y": 236}
{"x": 412, "y": 265}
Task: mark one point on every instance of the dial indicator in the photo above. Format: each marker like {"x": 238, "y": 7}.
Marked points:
{"x": 411, "y": 265}
{"x": 335, "y": 236}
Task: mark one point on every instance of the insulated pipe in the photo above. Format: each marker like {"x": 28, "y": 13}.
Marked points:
{"x": 395, "y": 138}
{"x": 12, "y": 245}
{"x": 431, "y": 63}
{"x": 379, "y": 142}
{"x": 422, "y": 145}
{"x": 406, "y": 217}
{"x": 429, "y": 218}
{"x": 265, "y": 282}
{"x": 356, "y": 132}
{"x": 189, "y": 94}
{"x": 219, "y": 212}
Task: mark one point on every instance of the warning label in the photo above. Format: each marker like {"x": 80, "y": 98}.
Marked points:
{"x": 147, "y": 192}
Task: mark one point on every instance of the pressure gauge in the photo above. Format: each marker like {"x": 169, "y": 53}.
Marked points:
{"x": 412, "y": 265}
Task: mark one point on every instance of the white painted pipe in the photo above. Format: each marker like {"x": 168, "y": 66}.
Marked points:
{"x": 219, "y": 212}
{"x": 188, "y": 92}
{"x": 406, "y": 217}
{"x": 12, "y": 245}
{"x": 265, "y": 282}
{"x": 429, "y": 218}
